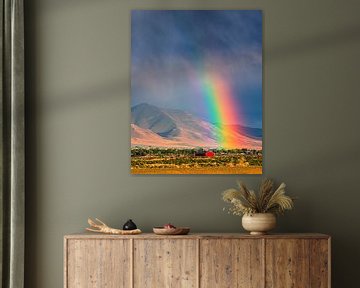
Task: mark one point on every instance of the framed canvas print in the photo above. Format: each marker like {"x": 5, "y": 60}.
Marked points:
{"x": 196, "y": 92}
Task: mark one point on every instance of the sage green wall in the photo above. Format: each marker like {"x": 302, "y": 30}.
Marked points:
{"x": 78, "y": 128}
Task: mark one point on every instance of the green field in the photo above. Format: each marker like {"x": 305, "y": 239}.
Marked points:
{"x": 184, "y": 161}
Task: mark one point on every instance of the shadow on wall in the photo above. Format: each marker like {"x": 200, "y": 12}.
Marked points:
{"x": 31, "y": 164}
{"x": 114, "y": 89}
{"x": 338, "y": 217}
{"x": 70, "y": 4}
{"x": 100, "y": 93}
{"x": 334, "y": 213}
{"x": 315, "y": 43}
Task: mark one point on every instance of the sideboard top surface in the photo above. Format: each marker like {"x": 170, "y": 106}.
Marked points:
{"x": 87, "y": 235}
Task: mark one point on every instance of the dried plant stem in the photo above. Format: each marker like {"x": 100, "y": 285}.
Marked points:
{"x": 101, "y": 227}
{"x": 245, "y": 201}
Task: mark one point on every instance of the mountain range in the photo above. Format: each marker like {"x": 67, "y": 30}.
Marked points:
{"x": 163, "y": 127}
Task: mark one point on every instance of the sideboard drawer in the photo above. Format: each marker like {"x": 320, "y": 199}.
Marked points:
{"x": 231, "y": 263}
{"x": 98, "y": 263}
{"x": 297, "y": 263}
{"x": 165, "y": 263}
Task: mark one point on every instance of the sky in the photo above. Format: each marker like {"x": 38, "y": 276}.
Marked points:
{"x": 174, "y": 51}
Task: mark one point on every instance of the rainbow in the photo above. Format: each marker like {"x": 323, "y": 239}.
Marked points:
{"x": 222, "y": 109}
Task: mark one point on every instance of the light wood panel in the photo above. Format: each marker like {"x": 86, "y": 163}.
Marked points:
{"x": 204, "y": 260}
{"x": 166, "y": 263}
{"x": 231, "y": 263}
{"x": 287, "y": 263}
{"x": 89, "y": 235}
{"x": 98, "y": 264}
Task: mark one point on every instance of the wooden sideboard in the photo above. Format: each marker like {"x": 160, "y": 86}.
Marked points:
{"x": 197, "y": 260}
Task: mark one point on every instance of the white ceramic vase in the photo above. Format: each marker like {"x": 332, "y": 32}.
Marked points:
{"x": 259, "y": 223}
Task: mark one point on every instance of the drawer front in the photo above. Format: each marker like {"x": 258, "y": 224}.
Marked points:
{"x": 231, "y": 263}
{"x": 98, "y": 263}
{"x": 320, "y": 263}
{"x": 297, "y": 263}
{"x": 165, "y": 263}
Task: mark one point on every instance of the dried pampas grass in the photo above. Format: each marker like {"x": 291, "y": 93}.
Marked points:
{"x": 267, "y": 200}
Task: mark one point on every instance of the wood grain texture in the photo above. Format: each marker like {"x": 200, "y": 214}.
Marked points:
{"x": 287, "y": 263}
{"x": 197, "y": 260}
{"x": 88, "y": 235}
{"x": 319, "y": 263}
{"x": 166, "y": 263}
{"x": 98, "y": 264}
{"x": 231, "y": 263}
